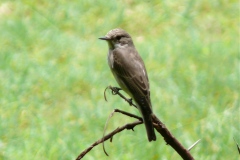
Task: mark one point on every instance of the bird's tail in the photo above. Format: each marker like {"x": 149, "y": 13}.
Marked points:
{"x": 146, "y": 111}
{"x": 149, "y": 127}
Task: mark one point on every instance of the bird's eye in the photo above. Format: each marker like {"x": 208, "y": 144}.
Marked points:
{"x": 118, "y": 38}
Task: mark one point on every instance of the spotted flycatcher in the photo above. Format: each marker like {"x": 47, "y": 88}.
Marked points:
{"x": 129, "y": 71}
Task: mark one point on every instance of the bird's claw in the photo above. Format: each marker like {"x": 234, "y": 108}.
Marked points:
{"x": 115, "y": 90}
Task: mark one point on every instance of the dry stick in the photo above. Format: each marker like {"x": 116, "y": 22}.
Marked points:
{"x": 109, "y": 136}
{"x": 115, "y": 90}
{"x": 162, "y": 129}
{"x": 124, "y": 113}
{"x": 238, "y": 147}
{"x": 170, "y": 139}
{"x": 158, "y": 125}
{"x": 128, "y": 114}
{"x": 194, "y": 144}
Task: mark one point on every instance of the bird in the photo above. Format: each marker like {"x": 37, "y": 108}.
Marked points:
{"x": 130, "y": 73}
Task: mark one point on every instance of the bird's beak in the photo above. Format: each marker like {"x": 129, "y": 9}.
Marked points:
{"x": 104, "y": 38}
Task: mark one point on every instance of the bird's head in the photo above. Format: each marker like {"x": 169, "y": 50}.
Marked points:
{"x": 117, "y": 38}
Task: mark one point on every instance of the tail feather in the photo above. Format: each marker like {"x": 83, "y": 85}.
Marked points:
{"x": 146, "y": 111}
{"x": 149, "y": 127}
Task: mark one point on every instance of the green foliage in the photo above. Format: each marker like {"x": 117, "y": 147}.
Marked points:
{"x": 53, "y": 72}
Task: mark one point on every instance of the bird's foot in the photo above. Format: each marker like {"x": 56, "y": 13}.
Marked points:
{"x": 115, "y": 90}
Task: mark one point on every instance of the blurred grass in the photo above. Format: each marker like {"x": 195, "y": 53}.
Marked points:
{"x": 53, "y": 73}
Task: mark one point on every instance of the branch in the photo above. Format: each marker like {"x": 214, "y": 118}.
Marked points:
{"x": 128, "y": 114}
{"x": 162, "y": 129}
{"x": 170, "y": 139}
{"x": 115, "y": 90}
{"x": 109, "y": 136}
{"x": 158, "y": 125}
{"x": 124, "y": 113}
{"x": 238, "y": 147}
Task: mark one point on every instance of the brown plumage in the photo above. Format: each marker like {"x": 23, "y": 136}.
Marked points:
{"x": 129, "y": 71}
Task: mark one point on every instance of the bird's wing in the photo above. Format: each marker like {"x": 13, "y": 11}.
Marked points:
{"x": 130, "y": 69}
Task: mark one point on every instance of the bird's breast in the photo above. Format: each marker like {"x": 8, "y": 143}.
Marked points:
{"x": 110, "y": 59}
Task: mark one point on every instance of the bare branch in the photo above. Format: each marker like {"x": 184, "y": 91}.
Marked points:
{"x": 129, "y": 114}
{"x": 111, "y": 115}
{"x": 158, "y": 125}
{"x": 115, "y": 90}
{"x": 109, "y": 136}
{"x": 168, "y": 137}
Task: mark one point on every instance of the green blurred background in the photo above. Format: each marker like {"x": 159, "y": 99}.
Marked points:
{"x": 53, "y": 72}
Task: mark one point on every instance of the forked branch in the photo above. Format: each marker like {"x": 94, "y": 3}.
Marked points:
{"x": 158, "y": 125}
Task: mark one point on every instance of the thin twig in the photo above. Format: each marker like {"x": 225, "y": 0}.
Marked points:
{"x": 168, "y": 137}
{"x": 158, "y": 125}
{"x": 128, "y": 114}
{"x": 194, "y": 144}
{"x": 109, "y": 136}
{"x": 238, "y": 147}
{"x": 111, "y": 115}
{"x": 115, "y": 91}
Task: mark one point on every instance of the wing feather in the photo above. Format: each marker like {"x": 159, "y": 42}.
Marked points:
{"x": 129, "y": 69}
